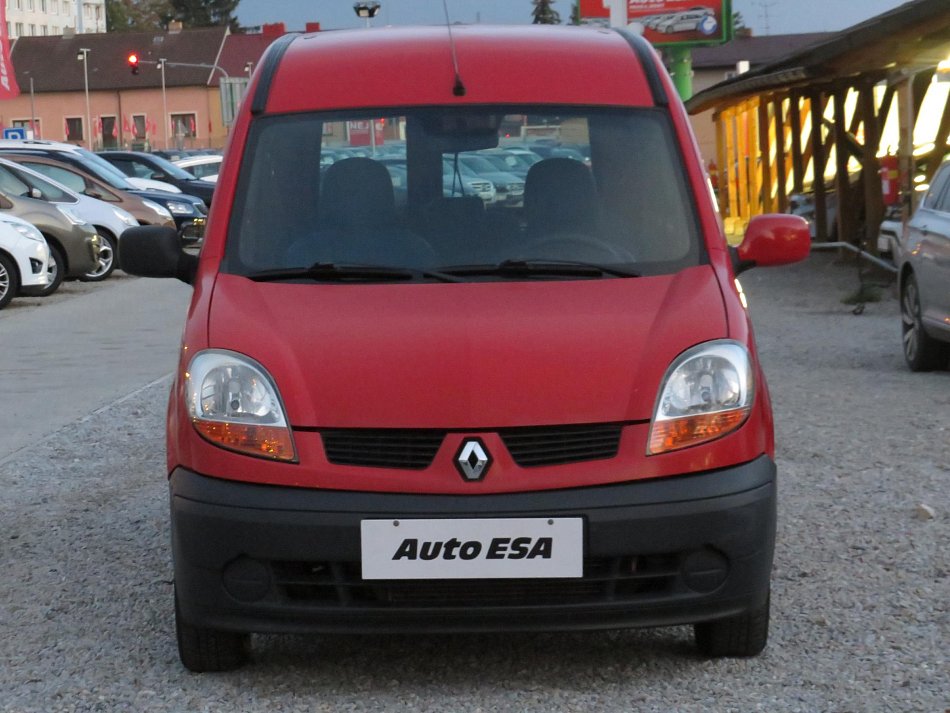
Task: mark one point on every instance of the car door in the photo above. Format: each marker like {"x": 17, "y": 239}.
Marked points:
{"x": 930, "y": 251}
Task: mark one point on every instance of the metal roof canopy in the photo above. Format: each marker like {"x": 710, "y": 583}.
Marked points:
{"x": 913, "y": 36}
{"x": 758, "y": 112}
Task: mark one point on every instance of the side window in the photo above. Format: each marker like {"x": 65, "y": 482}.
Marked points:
{"x": 67, "y": 178}
{"x": 937, "y": 196}
{"x": 12, "y": 185}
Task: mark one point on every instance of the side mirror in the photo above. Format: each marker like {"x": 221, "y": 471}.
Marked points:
{"x": 93, "y": 193}
{"x": 36, "y": 193}
{"x": 773, "y": 239}
{"x": 155, "y": 251}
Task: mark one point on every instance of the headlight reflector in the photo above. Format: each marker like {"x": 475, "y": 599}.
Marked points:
{"x": 160, "y": 209}
{"x": 179, "y": 208}
{"x": 707, "y": 392}
{"x": 234, "y": 404}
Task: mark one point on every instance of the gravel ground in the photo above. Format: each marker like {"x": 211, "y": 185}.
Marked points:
{"x": 860, "y": 588}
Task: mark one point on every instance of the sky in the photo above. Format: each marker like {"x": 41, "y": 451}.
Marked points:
{"x": 763, "y": 16}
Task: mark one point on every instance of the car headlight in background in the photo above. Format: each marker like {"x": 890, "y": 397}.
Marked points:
{"x": 234, "y": 404}
{"x": 125, "y": 217}
{"x": 70, "y": 215}
{"x": 707, "y": 393}
{"x": 179, "y": 208}
{"x": 27, "y": 231}
{"x": 160, "y": 209}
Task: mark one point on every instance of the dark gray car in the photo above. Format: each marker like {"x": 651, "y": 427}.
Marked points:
{"x": 924, "y": 260}
{"x": 73, "y": 243}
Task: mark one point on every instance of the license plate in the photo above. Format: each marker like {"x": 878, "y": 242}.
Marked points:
{"x": 477, "y": 548}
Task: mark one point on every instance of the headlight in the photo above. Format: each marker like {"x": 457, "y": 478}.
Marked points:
{"x": 234, "y": 404}
{"x": 27, "y": 231}
{"x": 707, "y": 392}
{"x": 70, "y": 215}
{"x": 125, "y": 217}
{"x": 160, "y": 209}
{"x": 178, "y": 208}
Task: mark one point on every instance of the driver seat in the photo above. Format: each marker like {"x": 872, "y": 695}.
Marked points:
{"x": 560, "y": 197}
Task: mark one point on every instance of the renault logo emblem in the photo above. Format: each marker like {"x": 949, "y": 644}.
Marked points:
{"x": 472, "y": 460}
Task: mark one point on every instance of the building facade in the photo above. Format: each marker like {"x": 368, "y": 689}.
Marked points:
{"x": 38, "y": 18}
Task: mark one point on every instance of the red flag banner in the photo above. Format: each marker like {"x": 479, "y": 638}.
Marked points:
{"x": 8, "y": 85}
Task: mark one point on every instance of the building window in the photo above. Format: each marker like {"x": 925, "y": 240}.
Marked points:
{"x": 45, "y": 29}
{"x": 18, "y": 4}
{"x": 139, "y": 126}
{"x": 110, "y": 131}
{"x": 74, "y": 128}
{"x": 18, "y": 29}
{"x": 25, "y": 124}
{"x": 42, "y": 5}
{"x": 184, "y": 126}
{"x": 32, "y": 29}
{"x": 30, "y": 5}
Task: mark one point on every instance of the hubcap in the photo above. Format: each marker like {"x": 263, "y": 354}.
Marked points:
{"x": 910, "y": 320}
{"x": 106, "y": 257}
{"x": 4, "y": 281}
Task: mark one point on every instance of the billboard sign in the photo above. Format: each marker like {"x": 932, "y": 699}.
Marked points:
{"x": 669, "y": 22}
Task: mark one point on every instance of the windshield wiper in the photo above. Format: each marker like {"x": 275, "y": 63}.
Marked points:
{"x": 341, "y": 272}
{"x": 540, "y": 267}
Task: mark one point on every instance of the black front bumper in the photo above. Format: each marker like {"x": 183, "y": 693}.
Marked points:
{"x": 658, "y": 552}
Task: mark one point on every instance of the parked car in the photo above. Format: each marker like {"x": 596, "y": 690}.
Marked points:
{"x": 144, "y": 210}
{"x": 73, "y": 243}
{"x": 509, "y": 188}
{"x": 690, "y": 21}
{"x": 109, "y": 221}
{"x": 24, "y": 258}
{"x": 190, "y": 212}
{"x": 138, "y": 164}
{"x": 447, "y": 417}
{"x": 923, "y": 260}
{"x": 204, "y": 167}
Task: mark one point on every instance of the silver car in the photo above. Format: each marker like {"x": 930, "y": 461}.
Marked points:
{"x": 924, "y": 278}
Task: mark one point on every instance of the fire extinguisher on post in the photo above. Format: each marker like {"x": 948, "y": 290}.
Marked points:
{"x": 890, "y": 180}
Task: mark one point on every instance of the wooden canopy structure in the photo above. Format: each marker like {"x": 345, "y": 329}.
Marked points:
{"x": 821, "y": 119}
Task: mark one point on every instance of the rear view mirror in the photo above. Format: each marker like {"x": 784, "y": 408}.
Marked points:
{"x": 155, "y": 251}
{"x": 773, "y": 239}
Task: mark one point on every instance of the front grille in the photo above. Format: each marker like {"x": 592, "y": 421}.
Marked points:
{"x": 556, "y": 445}
{"x": 382, "y": 448}
{"x": 605, "y": 580}
{"x": 415, "y": 449}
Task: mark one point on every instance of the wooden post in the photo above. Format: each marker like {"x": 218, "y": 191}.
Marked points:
{"x": 871, "y": 174}
{"x": 842, "y": 181}
{"x": 781, "y": 167}
{"x": 818, "y": 153}
{"x": 765, "y": 157}
{"x": 798, "y": 163}
{"x": 732, "y": 189}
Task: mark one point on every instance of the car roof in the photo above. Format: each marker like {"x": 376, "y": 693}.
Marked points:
{"x": 405, "y": 66}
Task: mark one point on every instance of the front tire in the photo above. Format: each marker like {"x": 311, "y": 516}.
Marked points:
{"x": 55, "y": 271}
{"x": 207, "y": 650}
{"x": 742, "y": 635}
{"x": 107, "y": 258}
{"x": 921, "y": 351}
{"x": 9, "y": 280}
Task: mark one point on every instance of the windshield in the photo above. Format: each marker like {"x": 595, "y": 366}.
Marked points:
{"x": 420, "y": 192}
{"x": 51, "y": 191}
{"x": 104, "y": 171}
{"x": 172, "y": 170}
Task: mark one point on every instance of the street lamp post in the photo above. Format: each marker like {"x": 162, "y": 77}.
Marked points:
{"x": 165, "y": 119}
{"x": 83, "y": 56}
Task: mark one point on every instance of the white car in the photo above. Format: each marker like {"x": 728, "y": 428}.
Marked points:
{"x": 24, "y": 257}
{"x": 109, "y": 221}
{"x": 684, "y": 21}
{"x": 205, "y": 167}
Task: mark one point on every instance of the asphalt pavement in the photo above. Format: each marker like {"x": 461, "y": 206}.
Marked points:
{"x": 80, "y": 350}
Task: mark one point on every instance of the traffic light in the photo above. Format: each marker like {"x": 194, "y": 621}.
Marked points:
{"x": 134, "y": 63}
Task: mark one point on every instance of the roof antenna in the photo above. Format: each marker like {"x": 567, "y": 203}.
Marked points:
{"x": 459, "y": 88}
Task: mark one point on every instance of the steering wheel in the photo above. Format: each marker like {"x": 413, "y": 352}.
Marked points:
{"x": 578, "y": 246}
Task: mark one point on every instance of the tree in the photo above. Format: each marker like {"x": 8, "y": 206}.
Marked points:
{"x": 206, "y": 13}
{"x": 138, "y": 15}
{"x": 737, "y": 22}
{"x": 544, "y": 13}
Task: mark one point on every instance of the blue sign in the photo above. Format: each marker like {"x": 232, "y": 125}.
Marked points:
{"x": 16, "y": 133}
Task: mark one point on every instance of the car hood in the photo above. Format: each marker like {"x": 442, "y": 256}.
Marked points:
{"x": 471, "y": 355}
{"x": 147, "y": 184}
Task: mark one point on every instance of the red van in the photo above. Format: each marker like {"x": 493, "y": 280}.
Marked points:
{"x": 401, "y": 407}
